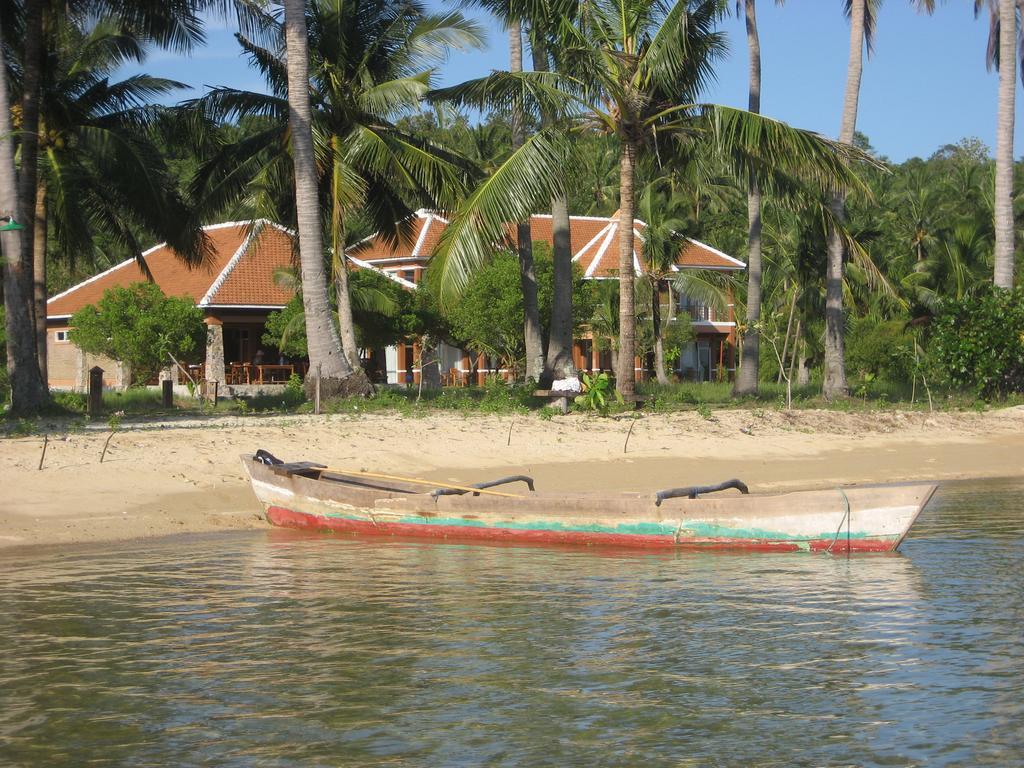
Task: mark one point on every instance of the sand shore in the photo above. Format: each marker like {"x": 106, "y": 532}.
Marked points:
{"x": 160, "y": 479}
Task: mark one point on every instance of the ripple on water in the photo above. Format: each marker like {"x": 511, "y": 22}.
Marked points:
{"x": 284, "y": 649}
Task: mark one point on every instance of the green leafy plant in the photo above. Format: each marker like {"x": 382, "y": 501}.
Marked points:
{"x": 704, "y": 411}
{"x": 598, "y": 393}
{"x": 977, "y": 343}
{"x": 138, "y": 325}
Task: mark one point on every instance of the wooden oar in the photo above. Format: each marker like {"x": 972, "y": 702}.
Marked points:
{"x": 419, "y": 481}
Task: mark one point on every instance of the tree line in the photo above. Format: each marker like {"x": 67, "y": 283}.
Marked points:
{"x": 351, "y": 136}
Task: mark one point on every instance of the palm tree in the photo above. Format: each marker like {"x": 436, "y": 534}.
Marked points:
{"x": 100, "y": 172}
{"x": 532, "y": 336}
{"x": 372, "y": 61}
{"x": 633, "y": 71}
{"x": 28, "y": 391}
{"x": 325, "y": 353}
{"x": 747, "y": 377}
{"x": 862, "y": 15}
{"x": 1002, "y": 53}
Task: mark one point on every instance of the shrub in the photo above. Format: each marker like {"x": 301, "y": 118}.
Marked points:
{"x": 138, "y": 325}
{"x": 977, "y": 343}
{"x": 880, "y": 349}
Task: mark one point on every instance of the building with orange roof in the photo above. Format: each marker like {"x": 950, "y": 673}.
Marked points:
{"x": 594, "y": 240}
{"x": 236, "y": 289}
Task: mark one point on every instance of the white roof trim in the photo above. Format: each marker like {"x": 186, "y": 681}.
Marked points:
{"x": 600, "y": 253}
{"x": 422, "y": 236}
{"x": 593, "y": 240}
{"x": 207, "y": 299}
{"x": 367, "y": 265}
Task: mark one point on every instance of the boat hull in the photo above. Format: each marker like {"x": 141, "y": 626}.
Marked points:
{"x": 860, "y": 519}
{"x": 288, "y": 518}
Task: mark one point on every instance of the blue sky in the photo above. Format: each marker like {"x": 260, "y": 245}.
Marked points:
{"x": 925, "y": 86}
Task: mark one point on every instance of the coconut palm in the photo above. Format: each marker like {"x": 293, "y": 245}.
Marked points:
{"x": 862, "y": 15}
{"x": 632, "y": 69}
{"x": 101, "y": 175}
{"x": 1002, "y": 53}
{"x": 326, "y": 357}
{"x": 371, "y": 63}
{"x": 28, "y": 390}
{"x": 747, "y": 377}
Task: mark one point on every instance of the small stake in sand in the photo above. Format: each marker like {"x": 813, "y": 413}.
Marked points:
{"x": 46, "y": 442}
{"x": 105, "y": 444}
{"x": 113, "y": 422}
{"x": 510, "y": 425}
{"x": 632, "y": 424}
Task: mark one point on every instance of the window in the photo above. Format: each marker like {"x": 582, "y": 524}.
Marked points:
{"x": 61, "y": 336}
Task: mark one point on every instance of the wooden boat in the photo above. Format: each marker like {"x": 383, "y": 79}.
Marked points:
{"x": 855, "y": 519}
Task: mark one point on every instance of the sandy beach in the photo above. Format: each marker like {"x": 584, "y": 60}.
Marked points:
{"x": 160, "y": 479}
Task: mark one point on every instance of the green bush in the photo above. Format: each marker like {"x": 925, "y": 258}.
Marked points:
{"x": 879, "y": 349}
{"x": 977, "y": 344}
{"x": 138, "y": 325}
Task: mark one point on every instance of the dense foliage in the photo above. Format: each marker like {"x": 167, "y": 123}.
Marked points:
{"x": 978, "y": 343}
{"x": 141, "y": 327}
{"x": 489, "y": 316}
{"x": 384, "y": 313}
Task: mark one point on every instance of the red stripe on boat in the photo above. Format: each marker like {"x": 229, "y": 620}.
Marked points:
{"x": 287, "y": 518}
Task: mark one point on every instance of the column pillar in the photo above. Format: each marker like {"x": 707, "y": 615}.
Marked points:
{"x": 215, "y": 351}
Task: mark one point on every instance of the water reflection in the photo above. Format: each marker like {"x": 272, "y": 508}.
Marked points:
{"x": 289, "y": 649}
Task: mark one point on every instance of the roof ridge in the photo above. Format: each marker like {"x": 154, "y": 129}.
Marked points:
{"x": 367, "y": 265}
{"x": 218, "y": 283}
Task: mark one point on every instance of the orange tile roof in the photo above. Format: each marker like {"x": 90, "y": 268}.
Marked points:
{"x": 594, "y": 241}
{"x": 239, "y": 271}
{"x": 251, "y": 280}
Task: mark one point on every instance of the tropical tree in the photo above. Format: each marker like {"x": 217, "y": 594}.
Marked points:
{"x": 1002, "y": 53}
{"x": 28, "y": 390}
{"x": 748, "y": 374}
{"x": 664, "y": 212}
{"x": 101, "y": 176}
{"x": 862, "y": 15}
{"x": 631, "y": 69}
{"x": 326, "y": 356}
{"x": 372, "y": 60}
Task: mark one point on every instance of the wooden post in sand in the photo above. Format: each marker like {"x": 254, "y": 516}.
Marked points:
{"x": 95, "y": 390}
{"x": 167, "y": 393}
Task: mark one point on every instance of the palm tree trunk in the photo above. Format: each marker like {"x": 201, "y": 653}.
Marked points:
{"x": 39, "y": 276}
{"x": 1004, "y": 255}
{"x": 558, "y": 363}
{"x": 326, "y": 357}
{"x": 31, "y": 79}
{"x": 835, "y": 347}
{"x": 659, "y": 333}
{"x": 749, "y": 372}
{"x": 626, "y": 374}
{"x": 346, "y": 326}
{"x": 533, "y": 341}
{"x": 28, "y": 391}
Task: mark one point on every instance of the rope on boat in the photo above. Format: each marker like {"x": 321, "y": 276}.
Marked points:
{"x": 845, "y": 519}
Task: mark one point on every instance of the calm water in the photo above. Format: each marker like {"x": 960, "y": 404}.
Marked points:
{"x": 280, "y": 649}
